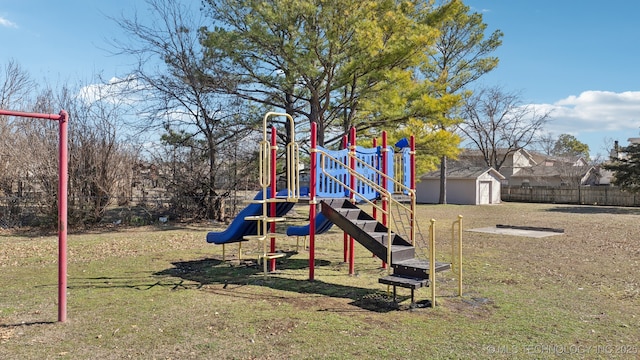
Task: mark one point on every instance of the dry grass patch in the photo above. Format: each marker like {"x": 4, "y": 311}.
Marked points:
{"x": 162, "y": 292}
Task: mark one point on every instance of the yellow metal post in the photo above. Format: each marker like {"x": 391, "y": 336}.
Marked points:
{"x": 459, "y": 255}
{"x": 389, "y": 241}
{"x": 456, "y": 256}
{"x": 432, "y": 261}
{"x": 412, "y": 217}
{"x": 265, "y": 256}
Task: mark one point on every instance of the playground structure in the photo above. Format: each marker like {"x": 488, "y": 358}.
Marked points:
{"x": 62, "y": 118}
{"x": 339, "y": 181}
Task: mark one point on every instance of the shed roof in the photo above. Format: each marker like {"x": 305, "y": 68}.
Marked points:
{"x": 463, "y": 172}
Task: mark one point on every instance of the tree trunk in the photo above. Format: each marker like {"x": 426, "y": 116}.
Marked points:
{"x": 443, "y": 180}
{"x": 316, "y": 116}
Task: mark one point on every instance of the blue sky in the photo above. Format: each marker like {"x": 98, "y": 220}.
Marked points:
{"x": 576, "y": 58}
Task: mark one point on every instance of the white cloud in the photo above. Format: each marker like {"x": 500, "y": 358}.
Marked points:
{"x": 116, "y": 90}
{"x": 595, "y": 111}
{"x": 7, "y": 23}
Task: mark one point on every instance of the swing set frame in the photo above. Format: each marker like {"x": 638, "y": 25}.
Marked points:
{"x": 62, "y": 118}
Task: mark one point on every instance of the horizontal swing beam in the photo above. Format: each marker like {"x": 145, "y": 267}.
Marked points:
{"x": 56, "y": 117}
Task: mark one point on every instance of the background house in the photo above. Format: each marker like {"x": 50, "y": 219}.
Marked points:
{"x": 530, "y": 168}
{"x": 465, "y": 186}
{"x": 556, "y": 175}
{"x": 511, "y": 162}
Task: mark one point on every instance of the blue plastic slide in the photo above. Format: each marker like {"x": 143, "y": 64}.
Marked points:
{"x": 240, "y": 227}
{"x": 322, "y": 225}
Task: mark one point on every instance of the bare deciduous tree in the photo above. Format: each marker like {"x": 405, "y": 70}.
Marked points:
{"x": 545, "y": 143}
{"x": 15, "y": 88}
{"x": 498, "y": 124}
{"x": 100, "y": 157}
{"x": 174, "y": 83}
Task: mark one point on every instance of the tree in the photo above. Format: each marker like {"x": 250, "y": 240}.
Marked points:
{"x": 626, "y": 168}
{"x": 99, "y": 158}
{"x": 176, "y": 84}
{"x": 498, "y": 125}
{"x": 318, "y": 59}
{"x": 545, "y": 143}
{"x": 100, "y": 155}
{"x": 431, "y": 143}
{"x": 15, "y": 89}
{"x": 568, "y": 146}
{"x": 461, "y": 56}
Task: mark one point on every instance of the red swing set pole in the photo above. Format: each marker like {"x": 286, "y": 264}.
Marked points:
{"x": 62, "y": 118}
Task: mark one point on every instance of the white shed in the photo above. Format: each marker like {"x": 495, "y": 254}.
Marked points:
{"x": 465, "y": 186}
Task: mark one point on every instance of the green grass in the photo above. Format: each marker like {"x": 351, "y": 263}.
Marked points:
{"x": 160, "y": 293}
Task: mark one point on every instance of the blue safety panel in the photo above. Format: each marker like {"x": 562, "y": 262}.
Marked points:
{"x": 326, "y": 186}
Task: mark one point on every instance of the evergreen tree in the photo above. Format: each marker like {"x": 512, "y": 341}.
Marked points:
{"x": 626, "y": 168}
{"x": 338, "y": 64}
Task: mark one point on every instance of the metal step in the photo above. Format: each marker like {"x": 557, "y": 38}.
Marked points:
{"x": 405, "y": 282}
{"x": 417, "y": 268}
{"x": 367, "y": 225}
{"x": 367, "y": 231}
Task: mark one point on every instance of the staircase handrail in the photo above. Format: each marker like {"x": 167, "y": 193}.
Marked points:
{"x": 380, "y": 189}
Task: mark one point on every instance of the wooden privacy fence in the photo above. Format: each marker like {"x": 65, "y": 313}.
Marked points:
{"x": 587, "y": 195}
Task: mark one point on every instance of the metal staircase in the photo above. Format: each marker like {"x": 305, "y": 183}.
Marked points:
{"x": 408, "y": 271}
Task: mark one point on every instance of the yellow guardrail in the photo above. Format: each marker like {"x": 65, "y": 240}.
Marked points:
{"x": 267, "y": 178}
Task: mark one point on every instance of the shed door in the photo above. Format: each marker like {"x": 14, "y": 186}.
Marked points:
{"x": 485, "y": 192}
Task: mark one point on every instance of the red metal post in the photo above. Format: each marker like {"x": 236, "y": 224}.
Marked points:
{"x": 272, "y": 262}
{"x": 62, "y": 217}
{"x": 385, "y": 201}
{"x": 312, "y": 201}
{"x": 412, "y": 160}
{"x": 352, "y": 183}
{"x": 345, "y": 236}
{"x": 62, "y": 118}
{"x": 377, "y": 166}
{"x": 412, "y": 181}
{"x": 377, "y": 180}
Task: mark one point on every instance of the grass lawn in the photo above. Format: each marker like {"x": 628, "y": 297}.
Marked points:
{"x": 164, "y": 293}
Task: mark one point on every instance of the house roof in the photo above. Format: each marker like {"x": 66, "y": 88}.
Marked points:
{"x": 552, "y": 171}
{"x": 460, "y": 171}
{"x": 476, "y": 156}
{"x": 534, "y": 156}
{"x": 501, "y": 152}
{"x": 577, "y": 160}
